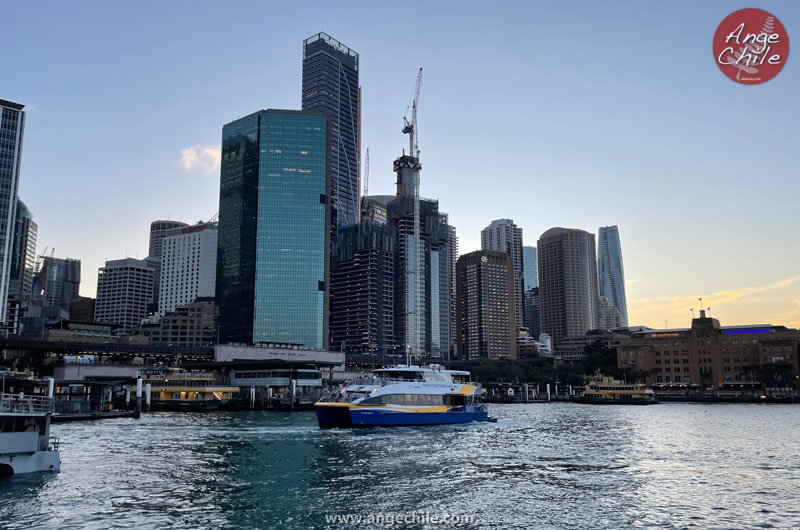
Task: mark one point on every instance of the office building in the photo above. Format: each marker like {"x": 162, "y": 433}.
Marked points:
{"x": 82, "y": 309}
{"x": 502, "y": 235}
{"x": 710, "y": 355}
{"x": 608, "y": 316}
{"x": 567, "y": 283}
{"x": 23, "y": 258}
{"x": 189, "y": 324}
{"x": 188, "y": 265}
{"x": 485, "y": 306}
{"x": 530, "y": 268}
{"x": 532, "y": 319}
{"x": 274, "y": 243}
{"x": 575, "y": 348}
{"x": 610, "y": 272}
{"x": 362, "y": 290}
{"x": 124, "y": 291}
{"x": 12, "y": 126}
{"x": 158, "y": 231}
{"x": 57, "y": 283}
{"x": 330, "y": 86}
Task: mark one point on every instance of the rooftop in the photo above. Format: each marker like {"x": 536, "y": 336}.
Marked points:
{"x": 11, "y": 104}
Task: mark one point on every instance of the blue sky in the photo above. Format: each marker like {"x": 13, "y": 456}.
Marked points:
{"x": 577, "y": 114}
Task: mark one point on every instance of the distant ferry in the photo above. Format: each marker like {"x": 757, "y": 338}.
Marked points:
{"x": 608, "y": 391}
{"x": 178, "y": 390}
{"x": 404, "y": 395}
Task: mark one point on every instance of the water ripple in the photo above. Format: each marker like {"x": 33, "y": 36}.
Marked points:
{"x": 540, "y": 466}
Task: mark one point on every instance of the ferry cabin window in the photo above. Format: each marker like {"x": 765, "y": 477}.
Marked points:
{"x": 402, "y": 376}
{"x": 405, "y": 399}
{"x": 455, "y": 401}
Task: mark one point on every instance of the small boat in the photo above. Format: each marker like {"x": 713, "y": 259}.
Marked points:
{"x": 177, "y": 390}
{"x": 603, "y": 390}
{"x": 403, "y": 395}
{"x": 25, "y": 442}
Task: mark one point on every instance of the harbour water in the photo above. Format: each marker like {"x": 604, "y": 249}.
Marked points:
{"x": 540, "y": 466}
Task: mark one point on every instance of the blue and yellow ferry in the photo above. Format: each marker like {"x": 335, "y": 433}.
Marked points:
{"x": 403, "y": 395}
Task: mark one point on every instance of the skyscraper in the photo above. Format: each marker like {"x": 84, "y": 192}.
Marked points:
{"x": 610, "y": 272}
{"x": 502, "y": 235}
{"x": 330, "y": 85}
{"x": 273, "y": 251}
{"x": 532, "y": 319}
{"x": 530, "y": 268}
{"x": 24, "y": 252}
{"x": 124, "y": 290}
{"x": 12, "y": 126}
{"x": 158, "y": 230}
{"x": 58, "y": 283}
{"x": 432, "y": 310}
{"x": 188, "y": 266}
{"x": 485, "y": 306}
{"x": 568, "y": 295}
{"x": 362, "y": 289}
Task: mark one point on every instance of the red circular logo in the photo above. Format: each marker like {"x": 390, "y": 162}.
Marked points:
{"x": 751, "y": 46}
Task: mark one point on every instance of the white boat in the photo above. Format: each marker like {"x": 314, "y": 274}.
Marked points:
{"x": 404, "y": 395}
{"x": 25, "y": 442}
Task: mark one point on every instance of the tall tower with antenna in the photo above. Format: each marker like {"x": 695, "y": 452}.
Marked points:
{"x": 408, "y": 168}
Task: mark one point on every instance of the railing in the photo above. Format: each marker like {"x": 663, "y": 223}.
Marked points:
{"x": 22, "y": 404}
{"x": 54, "y": 442}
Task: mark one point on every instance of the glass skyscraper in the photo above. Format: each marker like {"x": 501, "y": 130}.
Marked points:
{"x": 530, "y": 268}
{"x": 23, "y": 259}
{"x": 330, "y": 85}
{"x": 610, "y": 272}
{"x": 12, "y": 125}
{"x": 273, "y": 255}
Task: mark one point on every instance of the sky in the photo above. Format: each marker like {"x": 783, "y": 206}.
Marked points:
{"x": 574, "y": 114}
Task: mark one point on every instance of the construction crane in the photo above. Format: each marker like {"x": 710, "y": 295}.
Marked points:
{"x": 411, "y": 129}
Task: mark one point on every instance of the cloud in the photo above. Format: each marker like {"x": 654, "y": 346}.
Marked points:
{"x": 719, "y": 297}
{"x": 203, "y": 158}
{"x": 677, "y": 307}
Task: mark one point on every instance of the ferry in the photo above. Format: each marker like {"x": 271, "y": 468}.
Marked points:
{"x": 608, "y": 391}
{"x": 403, "y": 395}
{"x": 25, "y": 442}
{"x": 177, "y": 390}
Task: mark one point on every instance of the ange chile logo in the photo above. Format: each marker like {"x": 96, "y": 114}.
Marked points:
{"x": 751, "y": 46}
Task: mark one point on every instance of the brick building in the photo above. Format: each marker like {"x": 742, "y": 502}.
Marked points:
{"x": 711, "y": 355}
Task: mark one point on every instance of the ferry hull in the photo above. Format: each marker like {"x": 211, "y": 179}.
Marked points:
{"x": 345, "y": 417}
{"x": 331, "y": 417}
{"x": 30, "y": 463}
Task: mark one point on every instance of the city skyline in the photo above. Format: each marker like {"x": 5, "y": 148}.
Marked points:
{"x": 687, "y": 207}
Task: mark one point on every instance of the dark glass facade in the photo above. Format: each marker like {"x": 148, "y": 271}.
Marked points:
{"x": 236, "y": 248}
{"x": 273, "y": 255}
{"x": 12, "y": 125}
{"x": 330, "y": 85}
{"x": 23, "y": 258}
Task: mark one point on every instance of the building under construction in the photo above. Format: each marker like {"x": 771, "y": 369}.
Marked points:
{"x": 406, "y": 238}
{"x": 362, "y": 289}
